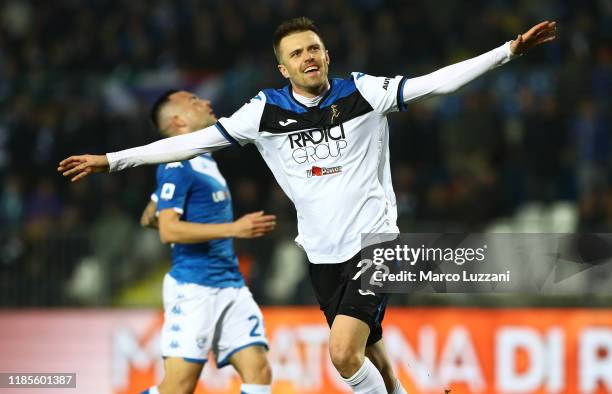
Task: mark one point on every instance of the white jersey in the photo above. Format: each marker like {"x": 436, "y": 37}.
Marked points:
{"x": 332, "y": 159}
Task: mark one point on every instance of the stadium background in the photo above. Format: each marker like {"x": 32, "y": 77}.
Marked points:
{"x": 524, "y": 149}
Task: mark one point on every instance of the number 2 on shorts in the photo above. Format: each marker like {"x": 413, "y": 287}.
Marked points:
{"x": 254, "y": 332}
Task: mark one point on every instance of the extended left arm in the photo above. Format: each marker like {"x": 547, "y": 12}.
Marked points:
{"x": 449, "y": 79}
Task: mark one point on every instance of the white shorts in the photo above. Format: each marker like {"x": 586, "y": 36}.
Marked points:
{"x": 200, "y": 319}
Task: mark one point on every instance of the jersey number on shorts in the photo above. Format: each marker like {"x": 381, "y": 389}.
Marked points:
{"x": 366, "y": 265}
{"x": 254, "y": 332}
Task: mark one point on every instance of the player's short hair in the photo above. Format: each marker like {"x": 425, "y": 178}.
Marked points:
{"x": 295, "y": 25}
{"x": 156, "y": 109}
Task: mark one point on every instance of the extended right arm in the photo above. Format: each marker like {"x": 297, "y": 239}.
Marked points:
{"x": 167, "y": 150}
{"x": 244, "y": 126}
{"x": 182, "y": 147}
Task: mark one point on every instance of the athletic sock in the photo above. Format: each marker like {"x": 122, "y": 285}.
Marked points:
{"x": 367, "y": 380}
{"x": 255, "y": 389}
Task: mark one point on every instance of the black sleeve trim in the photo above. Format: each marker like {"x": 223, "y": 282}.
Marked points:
{"x": 400, "y": 95}
{"x": 226, "y": 134}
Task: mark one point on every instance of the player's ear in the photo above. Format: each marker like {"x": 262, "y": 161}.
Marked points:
{"x": 283, "y": 70}
{"x": 327, "y": 57}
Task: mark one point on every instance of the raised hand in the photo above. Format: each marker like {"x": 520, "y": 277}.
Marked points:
{"x": 253, "y": 225}
{"x": 539, "y": 34}
{"x": 78, "y": 167}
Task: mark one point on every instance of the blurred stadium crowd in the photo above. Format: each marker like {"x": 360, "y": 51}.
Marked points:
{"x": 79, "y": 76}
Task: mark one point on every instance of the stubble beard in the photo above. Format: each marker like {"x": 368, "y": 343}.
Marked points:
{"x": 314, "y": 87}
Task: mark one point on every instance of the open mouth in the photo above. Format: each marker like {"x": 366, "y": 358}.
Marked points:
{"x": 311, "y": 70}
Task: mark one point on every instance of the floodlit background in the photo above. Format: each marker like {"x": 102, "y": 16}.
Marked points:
{"x": 526, "y": 148}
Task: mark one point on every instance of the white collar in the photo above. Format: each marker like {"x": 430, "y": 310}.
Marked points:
{"x": 310, "y": 102}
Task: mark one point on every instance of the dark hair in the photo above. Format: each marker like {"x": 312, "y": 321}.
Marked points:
{"x": 156, "y": 108}
{"x": 295, "y": 25}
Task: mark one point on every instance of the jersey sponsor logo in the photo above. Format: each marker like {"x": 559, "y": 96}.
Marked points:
{"x": 320, "y": 171}
{"x": 220, "y": 195}
{"x": 287, "y": 122}
{"x": 366, "y": 292}
{"x": 317, "y": 144}
{"x": 386, "y": 83}
{"x": 167, "y": 191}
{"x": 176, "y": 164}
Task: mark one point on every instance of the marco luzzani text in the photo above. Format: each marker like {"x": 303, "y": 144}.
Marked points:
{"x": 423, "y": 255}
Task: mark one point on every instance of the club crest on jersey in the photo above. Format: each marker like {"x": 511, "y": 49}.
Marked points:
{"x": 220, "y": 195}
{"x": 335, "y": 112}
{"x": 317, "y": 144}
{"x": 320, "y": 171}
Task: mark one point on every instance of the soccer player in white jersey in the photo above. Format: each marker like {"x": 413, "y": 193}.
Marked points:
{"x": 326, "y": 143}
{"x": 207, "y": 306}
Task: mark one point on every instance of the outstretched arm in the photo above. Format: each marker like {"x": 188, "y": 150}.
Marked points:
{"x": 167, "y": 150}
{"x": 240, "y": 128}
{"x": 449, "y": 79}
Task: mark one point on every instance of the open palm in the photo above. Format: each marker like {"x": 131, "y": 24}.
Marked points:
{"x": 539, "y": 34}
